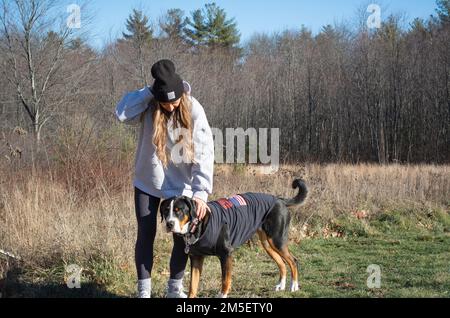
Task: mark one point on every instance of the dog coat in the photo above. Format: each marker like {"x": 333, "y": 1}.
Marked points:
{"x": 244, "y": 215}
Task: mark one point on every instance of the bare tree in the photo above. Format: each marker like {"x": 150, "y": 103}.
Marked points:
{"x": 346, "y": 94}
{"x": 34, "y": 40}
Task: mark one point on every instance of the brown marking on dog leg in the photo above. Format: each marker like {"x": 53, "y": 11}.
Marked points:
{"x": 276, "y": 257}
{"x": 226, "y": 263}
{"x": 196, "y": 271}
{"x": 292, "y": 262}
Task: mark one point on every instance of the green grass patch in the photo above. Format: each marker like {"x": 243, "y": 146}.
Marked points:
{"x": 411, "y": 249}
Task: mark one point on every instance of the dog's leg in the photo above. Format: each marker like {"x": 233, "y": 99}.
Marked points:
{"x": 277, "y": 258}
{"x": 224, "y": 252}
{"x": 226, "y": 263}
{"x": 196, "y": 271}
{"x": 292, "y": 262}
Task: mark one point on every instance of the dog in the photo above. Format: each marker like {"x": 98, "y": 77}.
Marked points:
{"x": 232, "y": 222}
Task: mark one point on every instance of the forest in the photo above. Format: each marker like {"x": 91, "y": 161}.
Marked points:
{"x": 348, "y": 94}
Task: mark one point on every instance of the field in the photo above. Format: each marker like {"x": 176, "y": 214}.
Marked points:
{"x": 396, "y": 217}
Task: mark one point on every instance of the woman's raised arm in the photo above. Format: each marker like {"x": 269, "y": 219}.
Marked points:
{"x": 132, "y": 105}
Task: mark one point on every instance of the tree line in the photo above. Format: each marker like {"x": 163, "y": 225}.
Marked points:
{"x": 345, "y": 94}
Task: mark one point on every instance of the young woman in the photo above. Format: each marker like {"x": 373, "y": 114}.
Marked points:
{"x": 161, "y": 171}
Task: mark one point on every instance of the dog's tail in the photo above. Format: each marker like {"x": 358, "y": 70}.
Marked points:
{"x": 301, "y": 195}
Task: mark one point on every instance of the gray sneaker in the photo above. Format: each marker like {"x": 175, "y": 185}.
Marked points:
{"x": 144, "y": 294}
{"x": 144, "y": 288}
{"x": 179, "y": 294}
{"x": 175, "y": 289}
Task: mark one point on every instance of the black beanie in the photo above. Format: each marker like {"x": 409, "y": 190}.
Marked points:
{"x": 168, "y": 85}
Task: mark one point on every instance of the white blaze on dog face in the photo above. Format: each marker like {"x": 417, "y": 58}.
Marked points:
{"x": 177, "y": 221}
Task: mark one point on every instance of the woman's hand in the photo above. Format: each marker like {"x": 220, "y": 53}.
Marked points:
{"x": 202, "y": 207}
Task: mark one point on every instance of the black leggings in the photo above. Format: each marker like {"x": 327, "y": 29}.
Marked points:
{"x": 147, "y": 214}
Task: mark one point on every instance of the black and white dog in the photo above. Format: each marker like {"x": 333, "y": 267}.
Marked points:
{"x": 231, "y": 223}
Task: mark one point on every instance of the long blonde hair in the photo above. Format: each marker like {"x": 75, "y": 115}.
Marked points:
{"x": 182, "y": 118}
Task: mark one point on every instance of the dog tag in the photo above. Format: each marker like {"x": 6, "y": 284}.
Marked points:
{"x": 186, "y": 249}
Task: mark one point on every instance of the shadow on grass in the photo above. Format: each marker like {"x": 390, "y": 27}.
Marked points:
{"x": 14, "y": 285}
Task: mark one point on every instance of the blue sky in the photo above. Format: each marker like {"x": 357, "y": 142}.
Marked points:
{"x": 252, "y": 15}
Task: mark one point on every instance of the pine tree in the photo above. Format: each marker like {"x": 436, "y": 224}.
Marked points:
{"x": 138, "y": 28}
{"x": 140, "y": 36}
{"x": 210, "y": 27}
{"x": 418, "y": 26}
{"x": 173, "y": 24}
{"x": 327, "y": 32}
{"x": 197, "y": 33}
{"x": 443, "y": 10}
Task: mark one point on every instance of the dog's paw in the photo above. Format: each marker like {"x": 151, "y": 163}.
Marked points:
{"x": 281, "y": 285}
{"x": 222, "y": 295}
{"x": 294, "y": 287}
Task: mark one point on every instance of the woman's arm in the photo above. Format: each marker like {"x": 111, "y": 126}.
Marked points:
{"x": 132, "y": 105}
{"x": 203, "y": 167}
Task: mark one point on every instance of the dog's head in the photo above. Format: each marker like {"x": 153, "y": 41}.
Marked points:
{"x": 178, "y": 213}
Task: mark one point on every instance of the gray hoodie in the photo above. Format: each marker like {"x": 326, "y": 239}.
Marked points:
{"x": 189, "y": 179}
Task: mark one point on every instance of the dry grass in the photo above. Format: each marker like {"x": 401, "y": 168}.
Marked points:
{"x": 82, "y": 210}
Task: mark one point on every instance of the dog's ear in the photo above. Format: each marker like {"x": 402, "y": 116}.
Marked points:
{"x": 162, "y": 206}
{"x": 192, "y": 207}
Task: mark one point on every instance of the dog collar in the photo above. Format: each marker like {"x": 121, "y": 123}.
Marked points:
{"x": 189, "y": 242}
{"x": 190, "y": 239}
